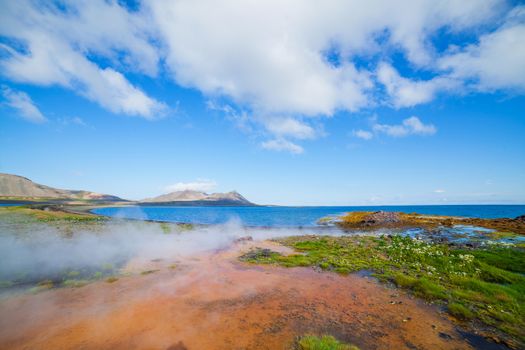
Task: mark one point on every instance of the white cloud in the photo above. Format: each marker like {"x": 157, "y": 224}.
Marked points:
{"x": 276, "y": 77}
{"x": 363, "y": 134}
{"x": 409, "y": 126}
{"x": 281, "y": 72}
{"x": 417, "y": 127}
{"x": 58, "y": 44}
{"x": 439, "y": 191}
{"x": 201, "y": 185}
{"x": 281, "y": 68}
{"x": 22, "y": 103}
{"x": 282, "y": 145}
{"x": 290, "y": 127}
{"x": 405, "y": 92}
{"x": 497, "y": 61}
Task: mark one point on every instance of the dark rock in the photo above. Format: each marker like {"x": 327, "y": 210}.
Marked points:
{"x": 381, "y": 217}
{"x": 445, "y": 336}
{"x": 179, "y": 346}
{"x": 520, "y": 218}
{"x": 257, "y": 254}
{"x": 244, "y": 239}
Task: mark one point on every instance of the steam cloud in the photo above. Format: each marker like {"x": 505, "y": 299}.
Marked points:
{"x": 41, "y": 251}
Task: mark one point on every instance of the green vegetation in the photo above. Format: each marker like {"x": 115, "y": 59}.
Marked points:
{"x": 65, "y": 278}
{"x": 148, "y": 272}
{"x": 184, "y": 227}
{"x": 326, "y": 342}
{"x": 485, "y": 284}
{"x": 46, "y": 215}
{"x": 460, "y": 311}
{"x": 6, "y": 284}
{"x": 42, "y": 285}
{"x": 502, "y": 235}
{"x": 75, "y": 283}
{"x": 165, "y": 227}
{"x": 65, "y": 222}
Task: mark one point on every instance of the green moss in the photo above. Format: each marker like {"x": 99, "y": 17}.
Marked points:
{"x": 65, "y": 222}
{"x": 165, "y": 227}
{"x": 404, "y": 281}
{"x": 185, "y": 227}
{"x": 41, "y": 286}
{"x": 147, "y": 272}
{"x": 502, "y": 235}
{"x": 74, "y": 283}
{"x": 111, "y": 279}
{"x": 460, "y": 311}
{"x": 423, "y": 287}
{"x": 325, "y": 342}
{"x": 6, "y": 284}
{"x": 502, "y": 258}
{"x": 73, "y": 274}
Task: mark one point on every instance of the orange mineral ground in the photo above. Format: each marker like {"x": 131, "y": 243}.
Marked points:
{"x": 213, "y": 301}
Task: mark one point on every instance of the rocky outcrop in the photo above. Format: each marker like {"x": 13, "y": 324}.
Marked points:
{"x": 381, "y": 218}
{"x": 520, "y": 218}
{"x": 397, "y": 220}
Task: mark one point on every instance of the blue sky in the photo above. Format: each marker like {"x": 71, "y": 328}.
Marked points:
{"x": 345, "y": 104}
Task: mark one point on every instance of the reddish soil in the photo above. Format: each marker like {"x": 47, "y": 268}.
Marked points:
{"x": 215, "y": 302}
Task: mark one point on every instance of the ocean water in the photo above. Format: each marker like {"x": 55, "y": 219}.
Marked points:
{"x": 292, "y": 216}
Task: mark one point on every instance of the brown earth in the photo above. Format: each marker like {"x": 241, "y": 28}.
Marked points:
{"x": 213, "y": 301}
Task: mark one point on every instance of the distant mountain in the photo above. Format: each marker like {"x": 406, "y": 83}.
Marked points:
{"x": 189, "y": 197}
{"x": 177, "y": 196}
{"x": 21, "y": 187}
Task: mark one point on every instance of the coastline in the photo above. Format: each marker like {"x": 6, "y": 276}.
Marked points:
{"x": 176, "y": 249}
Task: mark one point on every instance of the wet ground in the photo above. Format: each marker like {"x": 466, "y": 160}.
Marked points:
{"x": 213, "y": 301}
{"x": 465, "y": 235}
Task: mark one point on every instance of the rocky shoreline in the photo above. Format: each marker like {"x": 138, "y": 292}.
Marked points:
{"x": 398, "y": 220}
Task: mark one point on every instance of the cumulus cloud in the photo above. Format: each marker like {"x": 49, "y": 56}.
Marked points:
{"x": 23, "y": 105}
{"x": 307, "y": 65}
{"x": 363, "y": 134}
{"x": 281, "y": 68}
{"x": 52, "y": 46}
{"x": 497, "y": 60}
{"x": 281, "y": 71}
{"x": 403, "y": 92}
{"x": 202, "y": 185}
{"x": 409, "y": 126}
{"x": 290, "y": 127}
{"x": 282, "y": 145}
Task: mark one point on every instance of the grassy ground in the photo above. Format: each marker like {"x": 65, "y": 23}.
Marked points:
{"x": 66, "y": 220}
{"x": 326, "y": 342}
{"x": 484, "y": 286}
{"x": 29, "y": 215}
